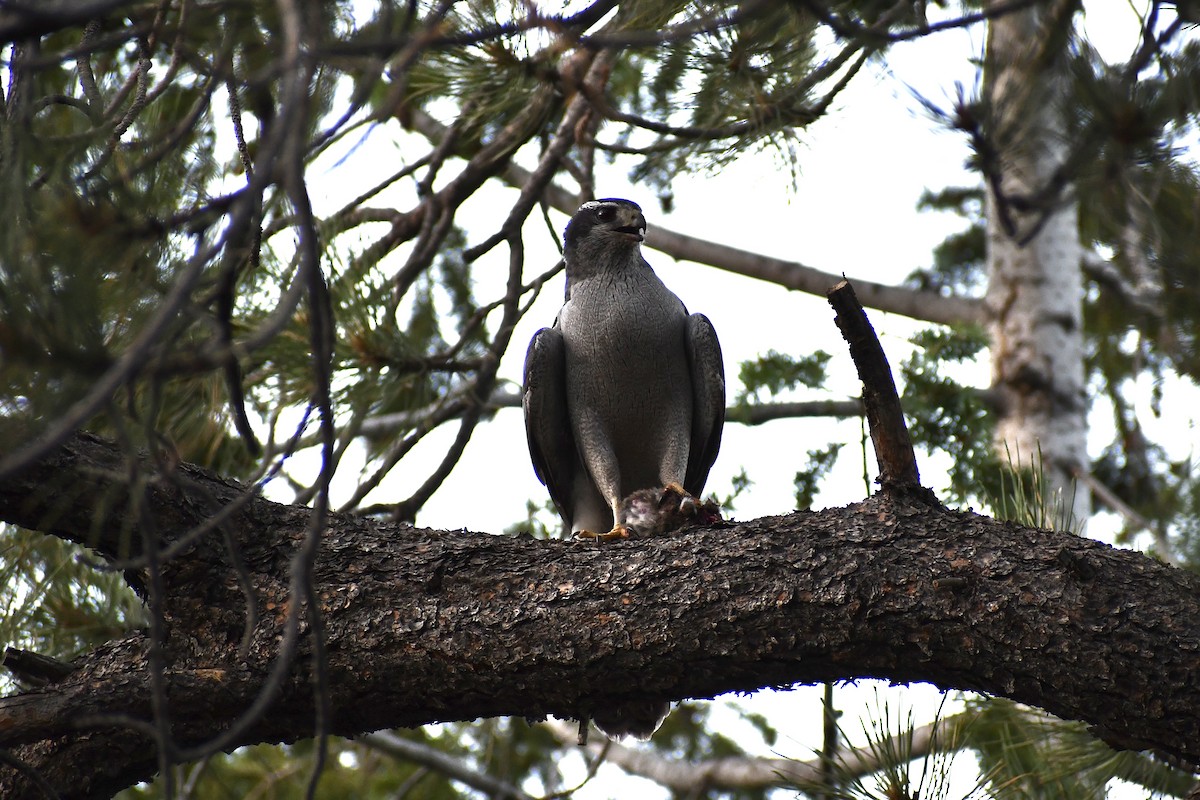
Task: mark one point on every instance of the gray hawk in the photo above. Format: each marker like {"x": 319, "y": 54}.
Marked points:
{"x": 627, "y": 390}
{"x": 624, "y": 394}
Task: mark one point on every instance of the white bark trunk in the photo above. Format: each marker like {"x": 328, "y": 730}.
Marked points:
{"x": 1035, "y": 291}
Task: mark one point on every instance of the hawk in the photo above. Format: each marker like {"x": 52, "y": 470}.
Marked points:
{"x": 624, "y": 395}
{"x": 627, "y": 390}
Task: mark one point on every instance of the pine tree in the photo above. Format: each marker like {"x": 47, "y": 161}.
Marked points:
{"x": 188, "y": 276}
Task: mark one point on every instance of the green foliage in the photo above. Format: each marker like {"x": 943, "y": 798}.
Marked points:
{"x": 740, "y": 482}
{"x": 1029, "y": 755}
{"x": 1186, "y": 491}
{"x": 807, "y": 480}
{"x": 1139, "y": 205}
{"x": 903, "y": 773}
{"x": 725, "y": 91}
{"x": 944, "y": 415}
{"x": 54, "y": 601}
{"x": 541, "y": 521}
{"x": 353, "y": 769}
{"x": 126, "y": 170}
{"x": 958, "y": 260}
{"x": 1025, "y": 497}
{"x": 494, "y": 81}
{"x": 776, "y": 373}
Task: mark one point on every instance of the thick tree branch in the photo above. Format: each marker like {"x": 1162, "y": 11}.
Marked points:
{"x": 426, "y": 625}
{"x": 19, "y": 20}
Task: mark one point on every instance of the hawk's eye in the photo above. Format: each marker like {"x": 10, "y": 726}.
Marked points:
{"x": 605, "y": 213}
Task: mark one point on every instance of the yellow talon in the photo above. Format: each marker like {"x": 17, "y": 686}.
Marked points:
{"x": 618, "y": 531}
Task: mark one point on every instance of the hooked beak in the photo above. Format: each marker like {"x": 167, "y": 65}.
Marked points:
{"x": 634, "y": 231}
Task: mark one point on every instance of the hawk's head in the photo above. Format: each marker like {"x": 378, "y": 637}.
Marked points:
{"x": 604, "y": 236}
{"x": 610, "y": 220}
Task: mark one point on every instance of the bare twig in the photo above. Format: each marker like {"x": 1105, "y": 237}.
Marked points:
{"x": 928, "y": 306}
{"x": 749, "y": 772}
{"x": 885, "y": 417}
{"x": 453, "y": 768}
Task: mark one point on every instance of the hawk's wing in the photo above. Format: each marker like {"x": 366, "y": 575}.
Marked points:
{"x": 708, "y": 400}
{"x": 547, "y": 424}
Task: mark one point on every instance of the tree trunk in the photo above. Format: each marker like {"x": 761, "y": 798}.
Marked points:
{"x": 424, "y": 626}
{"x": 1035, "y": 257}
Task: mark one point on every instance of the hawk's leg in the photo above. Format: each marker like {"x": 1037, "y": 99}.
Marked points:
{"x": 619, "y": 531}
{"x": 606, "y": 475}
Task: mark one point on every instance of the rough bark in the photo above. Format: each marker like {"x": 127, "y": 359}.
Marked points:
{"x": 36, "y": 19}
{"x": 885, "y": 418}
{"x": 1034, "y": 252}
{"x": 424, "y": 626}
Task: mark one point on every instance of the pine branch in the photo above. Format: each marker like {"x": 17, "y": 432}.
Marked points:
{"x": 927, "y": 306}
{"x": 453, "y": 768}
{"x": 734, "y": 773}
{"x": 425, "y": 626}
